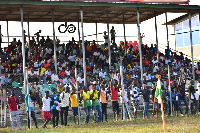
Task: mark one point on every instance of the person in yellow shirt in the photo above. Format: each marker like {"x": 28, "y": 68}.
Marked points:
{"x": 95, "y": 104}
{"x": 74, "y": 104}
{"x": 85, "y": 97}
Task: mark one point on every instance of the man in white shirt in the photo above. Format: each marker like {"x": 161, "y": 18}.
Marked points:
{"x": 102, "y": 74}
{"x": 32, "y": 76}
{"x": 80, "y": 79}
{"x": 67, "y": 71}
{"x": 64, "y": 97}
{"x": 48, "y": 74}
{"x": 46, "y": 109}
{"x": 54, "y": 78}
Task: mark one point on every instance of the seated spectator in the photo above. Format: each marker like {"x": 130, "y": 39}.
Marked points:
{"x": 102, "y": 74}
{"x": 32, "y": 76}
{"x": 65, "y": 79}
{"x": 54, "y": 78}
{"x": 48, "y": 75}
{"x": 41, "y": 76}
{"x": 67, "y": 71}
{"x": 62, "y": 73}
{"x": 5, "y": 81}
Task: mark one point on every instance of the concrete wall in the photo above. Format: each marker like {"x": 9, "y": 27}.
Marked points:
{"x": 187, "y": 51}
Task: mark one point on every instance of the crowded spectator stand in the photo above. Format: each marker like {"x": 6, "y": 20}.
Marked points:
{"x": 52, "y": 68}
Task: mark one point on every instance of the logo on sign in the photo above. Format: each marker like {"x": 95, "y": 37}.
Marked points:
{"x": 64, "y": 27}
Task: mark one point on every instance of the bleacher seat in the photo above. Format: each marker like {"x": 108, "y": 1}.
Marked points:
{"x": 53, "y": 86}
{"x": 15, "y": 84}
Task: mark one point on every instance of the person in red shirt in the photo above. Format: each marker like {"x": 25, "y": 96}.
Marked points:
{"x": 114, "y": 97}
{"x": 62, "y": 73}
{"x": 88, "y": 68}
{"x": 14, "y": 113}
{"x": 6, "y": 67}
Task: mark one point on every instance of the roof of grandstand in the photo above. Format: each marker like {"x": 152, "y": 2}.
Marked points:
{"x": 94, "y": 12}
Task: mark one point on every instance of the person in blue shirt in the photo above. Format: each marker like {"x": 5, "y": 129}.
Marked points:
{"x": 55, "y": 112}
{"x": 31, "y": 110}
{"x": 176, "y": 101}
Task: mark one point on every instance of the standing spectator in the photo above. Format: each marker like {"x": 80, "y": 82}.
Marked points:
{"x": 29, "y": 104}
{"x": 112, "y": 32}
{"x": 74, "y": 104}
{"x": 96, "y": 105}
{"x": 64, "y": 97}
{"x": 192, "y": 98}
{"x": 145, "y": 93}
{"x": 176, "y": 101}
{"x": 135, "y": 97}
{"x": 164, "y": 97}
{"x": 55, "y": 112}
{"x": 103, "y": 100}
{"x": 198, "y": 86}
{"x": 46, "y": 109}
{"x": 114, "y": 98}
{"x": 181, "y": 89}
{"x": 14, "y": 113}
{"x": 38, "y": 96}
{"x": 85, "y": 97}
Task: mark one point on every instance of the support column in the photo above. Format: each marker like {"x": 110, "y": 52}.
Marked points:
{"x": 167, "y": 30}
{"x": 79, "y": 120}
{"x": 8, "y": 33}
{"x": 54, "y": 43}
{"x": 29, "y": 48}
{"x": 96, "y": 33}
{"x": 124, "y": 35}
{"x": 78, "y": 29}
{"x": 23, "y": 47}
{"x": 109, "y": 52}
{"x": 155, "y": 14}
{"x": 140, "y": 44}
{"x": 192, "y": 50}
{"x": 122, "y": 86}
{"x": 83, "y": 48}
{"x": 169, "y": 78}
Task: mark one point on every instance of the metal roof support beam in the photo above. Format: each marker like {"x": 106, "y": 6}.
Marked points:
{"x": 109, "y": 53}
{"x": 29, "y": 48}
{"x": 54, "y": 42}
{"x": 23, "y": 47}
{"x": 124, "y": 35}
{"x": 96, "y": 32}
{"x": 155, "y": 13}
{"x": 83, "y": 49}
{"x": 140, "y": 43}
{"x": 8, "y": 32}
{"x": 192, "y": 49}
{"x": 78, "y": 29}
{"x": 167, "y": 30}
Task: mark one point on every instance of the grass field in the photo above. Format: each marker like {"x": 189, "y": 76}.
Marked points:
{"x": 187, "y": 124}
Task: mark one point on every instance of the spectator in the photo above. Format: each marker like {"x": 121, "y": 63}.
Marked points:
{"x": 46, "y": 109}
{"x": 103, "y": 100}
{"x": 54, "y": 106}
{"x": 74, "y": 105}
{"x": 145, "y": 93}
{"x": 135, "y": 97}
{"x": 54, "y": 78}
{"x": 48, "y": 75}
{"x": 14, "y": 113}
{"x": 41, "y": 76}
{"x": 96, "y": 105}
{"x": 85, "y": 97}
{"x": 29, "y": 104}
{"x": 64, "y": 97}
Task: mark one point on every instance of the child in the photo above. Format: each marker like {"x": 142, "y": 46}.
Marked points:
{"x": 46, "y": 109}
{"x": 176, "y": 101}
{"x": 74, "y": 104}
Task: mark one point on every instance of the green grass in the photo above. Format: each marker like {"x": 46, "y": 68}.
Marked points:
{"x": 188, "y": 124}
